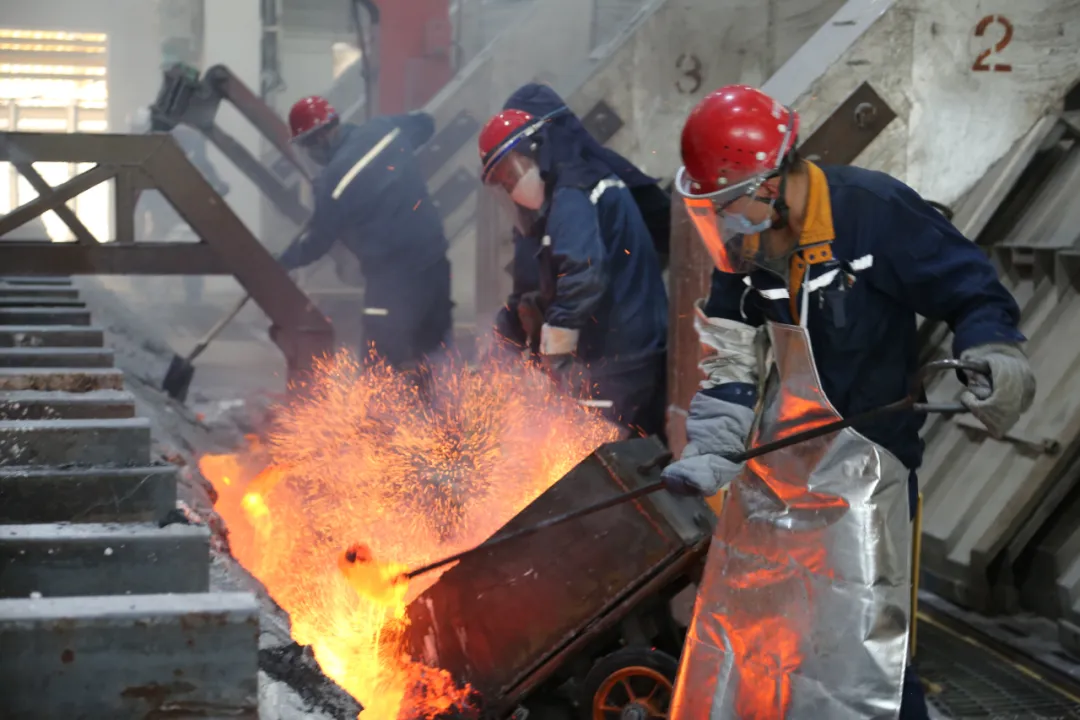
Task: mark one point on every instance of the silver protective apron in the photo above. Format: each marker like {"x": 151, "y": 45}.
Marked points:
{"x": 804, "y": 603}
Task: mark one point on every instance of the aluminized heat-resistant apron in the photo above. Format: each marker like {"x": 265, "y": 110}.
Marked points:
{"x": 804, "y": 604}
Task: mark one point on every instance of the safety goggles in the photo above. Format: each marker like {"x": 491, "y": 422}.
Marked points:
{"x": 734, "y": 247}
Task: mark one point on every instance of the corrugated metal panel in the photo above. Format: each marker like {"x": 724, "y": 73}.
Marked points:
{"x": 979, "y": 492}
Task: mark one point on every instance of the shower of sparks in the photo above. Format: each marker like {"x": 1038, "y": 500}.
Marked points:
{"x": 363, "y": 480}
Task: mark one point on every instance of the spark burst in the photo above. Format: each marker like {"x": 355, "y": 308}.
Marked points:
{"x": 363, "y": 460}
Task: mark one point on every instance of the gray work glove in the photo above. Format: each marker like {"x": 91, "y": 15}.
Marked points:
{"x": 715, "y": 429}
{"x": 998, "y": 401}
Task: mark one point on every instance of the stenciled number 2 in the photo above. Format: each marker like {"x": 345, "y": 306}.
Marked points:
{"x": 980, "y": 30}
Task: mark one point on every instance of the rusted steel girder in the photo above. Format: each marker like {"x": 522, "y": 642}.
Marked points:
{"x": 837, "y": 141}
{"x": 156, "y": 162}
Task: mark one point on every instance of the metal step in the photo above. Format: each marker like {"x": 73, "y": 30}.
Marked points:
{"x": 30, "y": 495}
{"x": 104, "y": 612}
{"x": 51, "y": 336}
{"x": 41, "y": 291}
{"x": 37, "y": 405}
{"x": 190, "y": 655}
{"x": 65, "y": 357}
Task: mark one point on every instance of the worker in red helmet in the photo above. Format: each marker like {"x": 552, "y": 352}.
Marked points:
{"x": 588, "y": 298}
{"x": 372, "y": 196}
{"x": 804, "y": 607}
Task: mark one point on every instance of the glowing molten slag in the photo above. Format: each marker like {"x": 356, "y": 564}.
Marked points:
{"x": 362, "y": 481}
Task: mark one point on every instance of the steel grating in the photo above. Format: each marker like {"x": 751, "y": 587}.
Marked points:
{"x": 965, "y": 680}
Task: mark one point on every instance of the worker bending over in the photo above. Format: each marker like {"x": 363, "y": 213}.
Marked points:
{"x": 804, "y": 607}
{"x": 588, "y": 296}
{"x": 371, "y": 196}
{"x": 653, "y": 202}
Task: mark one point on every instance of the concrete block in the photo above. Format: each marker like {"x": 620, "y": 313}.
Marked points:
{"x": 52, "y": 291}
{"x": 64, "y": 560}
{"x": 124, "y": 443}
{"x": 154, "y": 656}
{"x": 76, "y": 380}
{"x": 36, "y": 405}
{"x": 67, "y": 357}
{"x": 44, "y": 316}
{"x": 31, "y": 495}
{"x": 51, "y": 336}
{"x": 36, "y": 301}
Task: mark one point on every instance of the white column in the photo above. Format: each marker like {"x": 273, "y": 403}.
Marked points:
{"x": 231, "y": 37}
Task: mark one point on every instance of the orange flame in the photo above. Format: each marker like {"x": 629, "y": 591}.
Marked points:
{"x": 362, "y": 459}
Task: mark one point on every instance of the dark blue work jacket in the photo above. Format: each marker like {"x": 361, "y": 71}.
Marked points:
{"x": 373, "y": 197}
{"x": 607, "y": 276}
{"x": 894, "y": 256}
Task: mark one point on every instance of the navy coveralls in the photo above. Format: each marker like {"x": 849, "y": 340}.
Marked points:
{"x": 894, "y": 257}
{"x": 373, "y": 198}
{"x": 607, "y": 286}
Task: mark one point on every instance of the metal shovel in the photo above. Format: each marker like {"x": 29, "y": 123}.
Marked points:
{"x": 178, "y": 377}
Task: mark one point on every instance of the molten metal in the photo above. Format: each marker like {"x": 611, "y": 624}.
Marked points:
{"x": 363, "y": 458}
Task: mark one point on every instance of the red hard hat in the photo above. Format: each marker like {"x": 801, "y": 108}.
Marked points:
{"x": 310, "y": 114}
{"x": 501, "y": 133}
{"x": 734, "y": 135}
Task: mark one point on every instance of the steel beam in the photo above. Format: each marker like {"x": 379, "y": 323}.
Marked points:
{"x": 54, "y": 198}
{"x": 119, "y": 258}
{"x": 850, "y": 128}
{"x": 97, "y": 148}
{"x": 227, "y": 247}
{"x": 227, "y": 86}
{"x": 67, "y": 215}
{"x": 285, "y": 199}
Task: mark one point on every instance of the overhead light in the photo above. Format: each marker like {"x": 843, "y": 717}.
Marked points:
{"x": 58, "y": 70}
{"x": 49, "y": 47}
{"x": 52, "y": 35}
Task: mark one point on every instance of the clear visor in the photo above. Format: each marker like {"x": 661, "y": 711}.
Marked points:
{"x": 508, "y": 171}
{"x": 500, "y": 189}
{"x": 732, "y": 251}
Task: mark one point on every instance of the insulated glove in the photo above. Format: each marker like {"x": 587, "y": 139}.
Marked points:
{"x": 716, "y": 429}
{"x": 999, "y": 400}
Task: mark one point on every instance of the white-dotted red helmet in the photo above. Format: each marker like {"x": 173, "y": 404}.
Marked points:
{"x": 734, "y": 140}
{"x": 505, "y": 132}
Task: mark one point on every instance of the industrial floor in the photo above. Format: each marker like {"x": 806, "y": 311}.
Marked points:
{"x": 966, "y": 675}
{"x": 964, "y": 678}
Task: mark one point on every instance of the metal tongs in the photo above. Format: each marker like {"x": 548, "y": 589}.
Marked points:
{"x": 912, "y": 402}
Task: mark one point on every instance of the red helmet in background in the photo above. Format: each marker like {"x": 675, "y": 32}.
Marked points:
{"x": 734, "y": 140}
{"x": 502, "y": 133}
{"x": 309, "y": 115}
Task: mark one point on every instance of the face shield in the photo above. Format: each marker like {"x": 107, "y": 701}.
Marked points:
{"x": 733, "y": 240}
{"x": 519, "y": 176}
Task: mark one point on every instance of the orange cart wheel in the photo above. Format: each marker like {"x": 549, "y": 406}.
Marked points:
{"x": 630, "y": 684}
